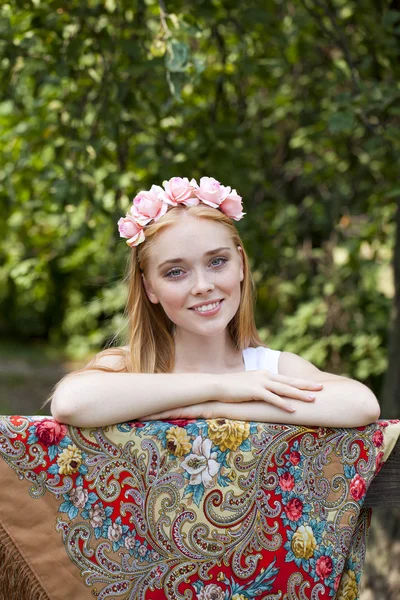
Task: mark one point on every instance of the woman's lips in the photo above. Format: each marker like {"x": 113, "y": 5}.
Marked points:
{"x": 208, "y": 312}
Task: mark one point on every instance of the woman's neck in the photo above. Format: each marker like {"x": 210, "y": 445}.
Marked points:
{"x": 207, "y": 356}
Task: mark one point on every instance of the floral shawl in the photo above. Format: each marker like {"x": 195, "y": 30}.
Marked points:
{"x": 204, "y": 509}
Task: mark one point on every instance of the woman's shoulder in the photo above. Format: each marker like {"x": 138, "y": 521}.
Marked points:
{"x": 262, "y": 357}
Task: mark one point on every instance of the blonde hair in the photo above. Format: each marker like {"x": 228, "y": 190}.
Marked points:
{"x": 151, "y": 346}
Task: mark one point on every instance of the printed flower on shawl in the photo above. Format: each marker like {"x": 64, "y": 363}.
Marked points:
{"x": 239, "y": 597}
{"x": 178, "y": 441}
{"x": 294, "y": 458}
{"x": 212, "y": 592}
{"x": 377, "y": 438}
{"x": 323, "y": 566}
{"x": 358, "y": 487}
{"x": 147, "y": 205}
{"x": 379, "y": 462}
{"x": 69, "y": 460}
{"x": 201, "y": 464}
{"x": 50, "y": 432}
{"x": 348, "y": 588}
{"x": 296, "y": 510}
{"x": 97, "y": 516}
{"x": 228, "y": 434}
{"x": 78, "y": 498}
{"x": 181, "y": 422}
{"x": 130, "y": 542}
{"x": 178, "y": 191}
{"x": 286, "y": 481}
{"x": 303, "y": 542}
{"x": 116, "y": 533}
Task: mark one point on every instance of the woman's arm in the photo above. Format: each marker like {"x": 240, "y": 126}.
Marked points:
{"x": 342, "y": 402}
{"x": 94, "y": 399}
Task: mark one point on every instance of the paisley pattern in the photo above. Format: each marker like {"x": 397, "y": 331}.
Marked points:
{"x": 206, "y": 509}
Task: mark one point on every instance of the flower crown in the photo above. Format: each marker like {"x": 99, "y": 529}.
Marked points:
{"x": 151, "y": 205}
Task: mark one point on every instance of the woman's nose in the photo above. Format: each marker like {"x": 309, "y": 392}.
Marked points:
{"x": 203, "y": 283}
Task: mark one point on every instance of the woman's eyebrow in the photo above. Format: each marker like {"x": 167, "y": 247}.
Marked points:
{"x": 177, "y": 260}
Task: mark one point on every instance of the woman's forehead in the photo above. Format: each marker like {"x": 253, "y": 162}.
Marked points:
{"x": 196, "y": 234}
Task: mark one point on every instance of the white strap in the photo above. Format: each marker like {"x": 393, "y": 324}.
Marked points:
{"x": 269, "y": 360}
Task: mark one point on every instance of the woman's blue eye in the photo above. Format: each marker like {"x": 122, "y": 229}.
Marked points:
{"x": 169, "y": 274}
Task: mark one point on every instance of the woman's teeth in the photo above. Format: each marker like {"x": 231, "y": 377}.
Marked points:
{"x": 207, "y": 307}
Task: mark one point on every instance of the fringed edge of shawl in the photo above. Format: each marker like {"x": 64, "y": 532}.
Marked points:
{"x": 17, "y": 579}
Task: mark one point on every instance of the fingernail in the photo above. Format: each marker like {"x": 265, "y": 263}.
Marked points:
{"x": 290, "y": 408}
{"x": 311, "y": 396}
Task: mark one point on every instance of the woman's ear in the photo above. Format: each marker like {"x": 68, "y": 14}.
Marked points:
{"x": 151, "y": 296}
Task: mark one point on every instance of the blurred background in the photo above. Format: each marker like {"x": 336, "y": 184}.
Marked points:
{"x": 296, "y": 104}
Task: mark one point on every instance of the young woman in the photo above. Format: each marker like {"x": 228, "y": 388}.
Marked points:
{"x": 193, "y": 349}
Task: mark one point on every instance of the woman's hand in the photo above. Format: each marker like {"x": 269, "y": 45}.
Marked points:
{"x": 266, "y": 386}
{"x": 245, "y": 387}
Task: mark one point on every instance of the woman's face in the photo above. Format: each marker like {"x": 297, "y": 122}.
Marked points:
{"x": 207, "y": 267}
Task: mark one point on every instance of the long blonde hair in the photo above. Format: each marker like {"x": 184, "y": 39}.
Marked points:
{"x": 151, "y": 347}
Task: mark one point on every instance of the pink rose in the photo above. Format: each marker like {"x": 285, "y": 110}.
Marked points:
{"x": 294, "y": 509}
{"x": 178, "y": 191}
{"x": 128, "y": 228}
{"x": 50, "y": 432}
{"x": 294, "y": 458}
{"x": 323, "y": 567}
{"x": 379, "y": 462}
{"x": 232, "y": 206}
{"x": 210, "y": 191}
{"x": 377, "y": 438}
{"x": 286, "y": 481}
{"x": 148, "y": 205}
{"x": 358, "y": 487}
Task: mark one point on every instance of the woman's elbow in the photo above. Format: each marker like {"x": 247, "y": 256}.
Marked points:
{"x": 370, "y": 407}
{"x": 59, "y": 409}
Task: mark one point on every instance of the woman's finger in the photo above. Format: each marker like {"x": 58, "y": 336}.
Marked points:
{"x": 277, "y": 401}
{"x": 282, "y": 389}
{"x": 301, "y": 384}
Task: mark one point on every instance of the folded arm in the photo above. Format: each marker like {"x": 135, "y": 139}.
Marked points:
{"x": 342, "y": 402}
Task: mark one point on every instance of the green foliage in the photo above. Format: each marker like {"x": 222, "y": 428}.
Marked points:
{"x": 294, "y": 104}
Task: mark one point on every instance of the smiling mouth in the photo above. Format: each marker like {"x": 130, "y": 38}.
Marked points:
{"x": 196, "y": 310}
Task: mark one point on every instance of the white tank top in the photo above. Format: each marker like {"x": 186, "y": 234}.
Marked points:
{"x": 261, "y": 358}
